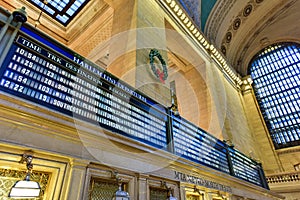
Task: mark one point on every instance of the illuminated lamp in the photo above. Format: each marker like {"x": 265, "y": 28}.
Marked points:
{"x": 20, "y": 15}
{"x": 120, "y": 194}
{"x": 25, "y": 188}
{"x": 170, "y": 196}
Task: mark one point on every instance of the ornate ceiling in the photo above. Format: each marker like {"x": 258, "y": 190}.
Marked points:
{"x": 240, "y": 28}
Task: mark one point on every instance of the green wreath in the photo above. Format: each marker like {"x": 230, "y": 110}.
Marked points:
{"x": 162, "y": 76}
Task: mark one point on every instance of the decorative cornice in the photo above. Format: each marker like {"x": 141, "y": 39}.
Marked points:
{"x": 239, "y": 19}
{"x": 295, "y": 149}
{"x": 189, "y": 26}
{"x": 216, "y": 18}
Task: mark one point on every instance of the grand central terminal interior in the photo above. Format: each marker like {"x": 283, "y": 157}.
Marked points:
{"x": 149, "y": 100}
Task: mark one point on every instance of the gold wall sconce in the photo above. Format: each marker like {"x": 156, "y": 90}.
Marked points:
{"x": 26, "y": 188}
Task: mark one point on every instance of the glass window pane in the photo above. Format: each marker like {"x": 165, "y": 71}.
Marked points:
{"x": 275, "y": 73}
{"x": 61, "y": 10}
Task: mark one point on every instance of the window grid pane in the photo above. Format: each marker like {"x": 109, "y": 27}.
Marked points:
{"x": 60, "y": 9}
{"x": 275, "y": 73}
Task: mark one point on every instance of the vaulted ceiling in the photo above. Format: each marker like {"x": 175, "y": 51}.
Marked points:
{"x": 240, "y": 28}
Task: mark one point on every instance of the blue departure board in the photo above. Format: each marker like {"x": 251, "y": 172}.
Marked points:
{"x": 40, "y": 74}
{"x": 195, "y": 144}
{"x": 245, "y": 168}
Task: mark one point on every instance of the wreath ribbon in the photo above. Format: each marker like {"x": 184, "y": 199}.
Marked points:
{"x": 161, "y": 75}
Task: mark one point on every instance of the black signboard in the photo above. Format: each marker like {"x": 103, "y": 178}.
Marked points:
{"x": 46, "y": 76}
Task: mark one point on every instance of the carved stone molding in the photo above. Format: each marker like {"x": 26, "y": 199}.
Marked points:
{"x": 292, "y": 178}
{"x": 216, "y": 17}
{"x": 237, "y": 22}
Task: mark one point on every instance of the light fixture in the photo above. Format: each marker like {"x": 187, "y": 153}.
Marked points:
{"x": 37, "y": 21}
{"x": 120, "y": 194}
{"x": 170, "y": 196}
{"x": 198, "y": 191}
{"x": 20, "y": 15}
{"x": 174, "y": 104}
{"x": 26, "y": 188}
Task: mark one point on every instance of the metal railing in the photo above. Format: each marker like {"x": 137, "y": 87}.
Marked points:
{"x": 195, "y": 144}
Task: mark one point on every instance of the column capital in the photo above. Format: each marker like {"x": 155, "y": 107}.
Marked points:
{"x": 79, "y": 163}
{"x": 247, "y": 84}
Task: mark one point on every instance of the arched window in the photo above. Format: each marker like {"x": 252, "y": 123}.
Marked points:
{"x": 276, "y": 81}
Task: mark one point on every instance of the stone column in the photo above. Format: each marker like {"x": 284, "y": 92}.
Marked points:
{"x": 151, "y": 35}
{"x": 138, "y": 27}
{"x": 271, "y": 162}
{"x": 182, "y": 192}
{"x": 142, "y": 187}
{"x": 74, "y": 188}
{"x": 123, "y": 42}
